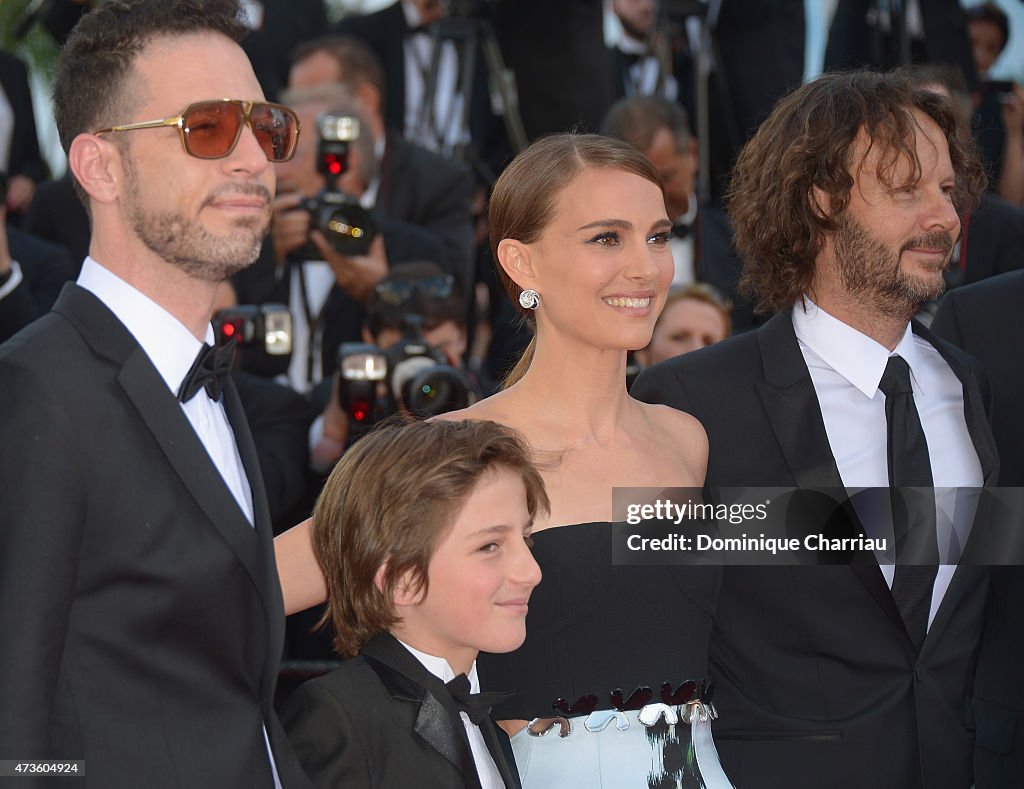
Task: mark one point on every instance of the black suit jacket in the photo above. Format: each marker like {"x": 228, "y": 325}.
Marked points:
{"x": 817, "y": 681}
{"x": 983, "y": 320}
{"x": 995, "y": 241}
{"x": 279, "y": 420}
{"x": 383, "y": 720}
{"x": 145, "y": 613}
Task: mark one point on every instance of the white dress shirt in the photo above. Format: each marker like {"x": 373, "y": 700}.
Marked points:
{"x": 846, "y": 367}
{"x": 490, "y": 778}
{"x": 172, "y": 349}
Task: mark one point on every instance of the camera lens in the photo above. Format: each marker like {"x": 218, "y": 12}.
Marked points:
{"x": 348, "y": 228}
{"x": 427, "y": 388}
{"x": 437, "y": 390}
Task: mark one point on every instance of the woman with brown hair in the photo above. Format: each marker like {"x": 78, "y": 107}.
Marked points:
{"x": 580, "y": 233}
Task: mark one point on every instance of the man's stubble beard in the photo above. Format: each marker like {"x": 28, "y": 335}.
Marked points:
{"x": 186, "y": 244}
{"x": 871, "y": 274}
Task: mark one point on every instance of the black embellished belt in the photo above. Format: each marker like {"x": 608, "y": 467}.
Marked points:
{"x": 690, "y": 702}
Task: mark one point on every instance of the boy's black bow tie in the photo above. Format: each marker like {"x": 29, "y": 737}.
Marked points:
{"x": 476, "y": 705}
{"x": 211, "y": 367}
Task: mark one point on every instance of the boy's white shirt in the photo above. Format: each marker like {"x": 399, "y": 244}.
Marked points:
{"x": 486, "y": 769}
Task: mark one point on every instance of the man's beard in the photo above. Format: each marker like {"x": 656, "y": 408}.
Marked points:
{"x": 872, "y": 275}
{"x": 187, "y": 244}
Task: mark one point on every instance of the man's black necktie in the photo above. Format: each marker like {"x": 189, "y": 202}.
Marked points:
{"x": 476, "y": 705}
{"x": 913, "y": 501}
{"x": 211, "y": 367}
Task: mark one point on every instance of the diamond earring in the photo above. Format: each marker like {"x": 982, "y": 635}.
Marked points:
{"x": 529, "y": 299}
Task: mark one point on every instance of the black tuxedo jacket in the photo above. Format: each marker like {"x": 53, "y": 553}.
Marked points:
{"x": 983, "y": 319}
{"x": 383, "y": 720}
{"x": 143, "y": 612}
{"x": 817, "y": 682}
{"x": 279, "y": 420}
{"x": 995, "y": 239}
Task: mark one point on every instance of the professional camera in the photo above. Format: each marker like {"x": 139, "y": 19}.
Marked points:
{"x": 263, "y": 335}
{"x": 409, "y": 376}
{"x": 346, "y": 224}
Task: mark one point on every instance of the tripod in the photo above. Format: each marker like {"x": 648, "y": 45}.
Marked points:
{"x": 469, "y": 35}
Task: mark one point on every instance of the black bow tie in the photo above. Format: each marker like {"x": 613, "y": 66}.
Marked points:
{"x": 476, "y": 705}
{"x": 211, "y": 367}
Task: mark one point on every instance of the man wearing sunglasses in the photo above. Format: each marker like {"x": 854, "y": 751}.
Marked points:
{"x": 139, "y": 599}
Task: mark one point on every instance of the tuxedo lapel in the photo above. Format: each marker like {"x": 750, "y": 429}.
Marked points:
{"x": 966, "y": 575}
{"x": 791, "y": 403}
{"x": 974, "y": 407}
{"x": 267, "y": 584}
{"x": 165, "y": 420}
{"x": 437, "y": 720}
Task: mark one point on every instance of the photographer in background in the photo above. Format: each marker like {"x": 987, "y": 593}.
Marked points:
{"x": 427, "y": 292}
{"x": 414, "y": 297}
{"x": 325, "y": 288}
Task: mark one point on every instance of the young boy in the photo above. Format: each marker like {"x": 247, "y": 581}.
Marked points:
{"x": 422, "y": 532}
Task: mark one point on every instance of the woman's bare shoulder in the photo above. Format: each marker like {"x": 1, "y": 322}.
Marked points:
{"x": 493, "y": 408}
{"x": 483, "y": 409}
{"x": 681, "y": 435}
{"x": 675, "y": 423}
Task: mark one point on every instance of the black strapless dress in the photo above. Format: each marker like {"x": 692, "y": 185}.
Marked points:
{"x": 608, "y": 649}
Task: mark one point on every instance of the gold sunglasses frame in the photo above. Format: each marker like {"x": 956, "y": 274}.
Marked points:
{"x": 178, "y": 121}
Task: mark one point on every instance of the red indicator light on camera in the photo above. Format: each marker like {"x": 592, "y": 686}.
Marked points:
{"x": 334, "y": 164}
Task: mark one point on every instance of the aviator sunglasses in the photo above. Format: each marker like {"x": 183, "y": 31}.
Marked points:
{"x": 211, "y": 129}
